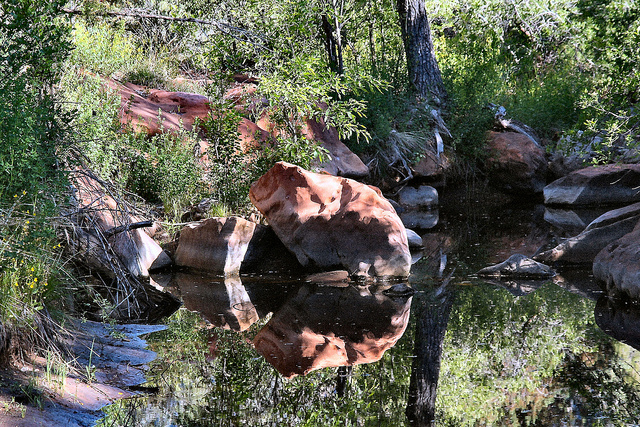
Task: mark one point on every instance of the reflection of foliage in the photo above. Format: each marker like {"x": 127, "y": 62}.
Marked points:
{"x": 506, "y": 361}
{"x": 238, "y": 387}
{"x": 501, "y": 353}
{"x": 605, "y": 388}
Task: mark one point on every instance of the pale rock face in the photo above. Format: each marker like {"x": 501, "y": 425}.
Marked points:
{"x": 231, "y": 245}
{"x": 603, "y": 230}
{"x": 330, "y": 222}
{"x": 617, "y": 266}
{"x": 215, "y": 244}
{"x": 136, "y": 249}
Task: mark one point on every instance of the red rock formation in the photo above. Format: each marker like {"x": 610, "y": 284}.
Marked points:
{"x": 329, "y": 222}
{"x": 517, "y": 164}
{"x": 228, "y": 245}
{"x": 156, "y": 111}
{"x": 331, "y": 326}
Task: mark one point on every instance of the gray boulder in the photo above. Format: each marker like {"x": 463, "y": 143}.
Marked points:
{"x": 518, "y": 266}
{"x": 617, "y": 266}
{"x": 423, "y": 197}
{"x": 414, "y": 239}
{"x": 605, "y": 229}
{"x": 596, "y": 185}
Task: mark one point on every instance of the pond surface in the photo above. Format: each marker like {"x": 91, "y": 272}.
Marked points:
{"x": 279, "y": 350}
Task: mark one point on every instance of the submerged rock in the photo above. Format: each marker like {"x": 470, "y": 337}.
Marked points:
{"x": 596, "y": 185}
{"x": 518, "y": 266}
{"x": 331, "y": 222}
{"x": 603, "y": 230}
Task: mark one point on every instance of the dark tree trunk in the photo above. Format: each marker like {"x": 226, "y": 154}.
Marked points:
{"x": 333, "y": 45}
{"x": 424, "y": 73}
{"x": 432, "y": 319}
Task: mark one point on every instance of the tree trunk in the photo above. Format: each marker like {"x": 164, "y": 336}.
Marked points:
{"x": 424, "y": 74}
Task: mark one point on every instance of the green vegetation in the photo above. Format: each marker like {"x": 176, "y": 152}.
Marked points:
{"x": 567, "y": 68}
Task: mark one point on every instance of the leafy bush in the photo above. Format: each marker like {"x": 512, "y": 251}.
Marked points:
{"x": 33, "y": 132}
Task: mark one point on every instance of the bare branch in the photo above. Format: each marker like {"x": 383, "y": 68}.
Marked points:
{"x": 230, "y": 30}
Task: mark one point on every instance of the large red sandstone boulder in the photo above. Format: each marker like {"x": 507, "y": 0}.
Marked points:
{"x": 330, "y": 222}
{"x": 304, "y": 335}
{"x": 517, "y": 164}
{"x": 596, "y": 185}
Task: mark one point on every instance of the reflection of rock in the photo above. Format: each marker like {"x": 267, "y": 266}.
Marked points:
{"x": 330, "y": 222}
{"x": 519, "y": 287}
{"x": 578, "y": 281}
{"x": 230, "y": 245}
{"x": 617, "y": 266}
{"x": 599, "y": 233}
{"x": 327, "y": 326}
{"x": 434, "y": 257}
{"x": 421, "y": 220}
{"x": 518, "y": 266}
{"x": 228, "y": 303}
{"x": 225, "y": 304}
{"x": 621, "y": 321}
{"x": 596, "y": 185}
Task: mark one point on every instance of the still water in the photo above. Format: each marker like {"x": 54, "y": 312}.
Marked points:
{"x": 279, "y": 350}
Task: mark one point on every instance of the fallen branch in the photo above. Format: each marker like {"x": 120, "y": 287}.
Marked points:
{"x": 230, "y": 30}
{"x": 126, "y": 227}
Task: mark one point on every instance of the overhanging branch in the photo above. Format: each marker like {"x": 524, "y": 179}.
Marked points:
{"x": 230, "y": 30}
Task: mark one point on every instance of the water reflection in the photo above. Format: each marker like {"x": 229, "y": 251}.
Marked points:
{"x": 619, "y": 320}
{"x": 322, "y": 322}
{"x": 497, "y": 354}
{"x": 228, "y": 303}
{"x": 327, "y": 326}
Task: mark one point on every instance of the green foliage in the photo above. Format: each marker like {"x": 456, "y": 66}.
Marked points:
{"x": 33, "y": 132}
{"x": 502, "y": 352}
{"x": 103, "y": 49}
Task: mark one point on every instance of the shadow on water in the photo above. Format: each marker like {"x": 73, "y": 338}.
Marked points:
{"x": 323, "y": 350}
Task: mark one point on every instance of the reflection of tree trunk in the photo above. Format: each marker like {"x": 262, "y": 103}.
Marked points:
{"x": 342, "y": 379}
{"x": 432, "y": 317}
